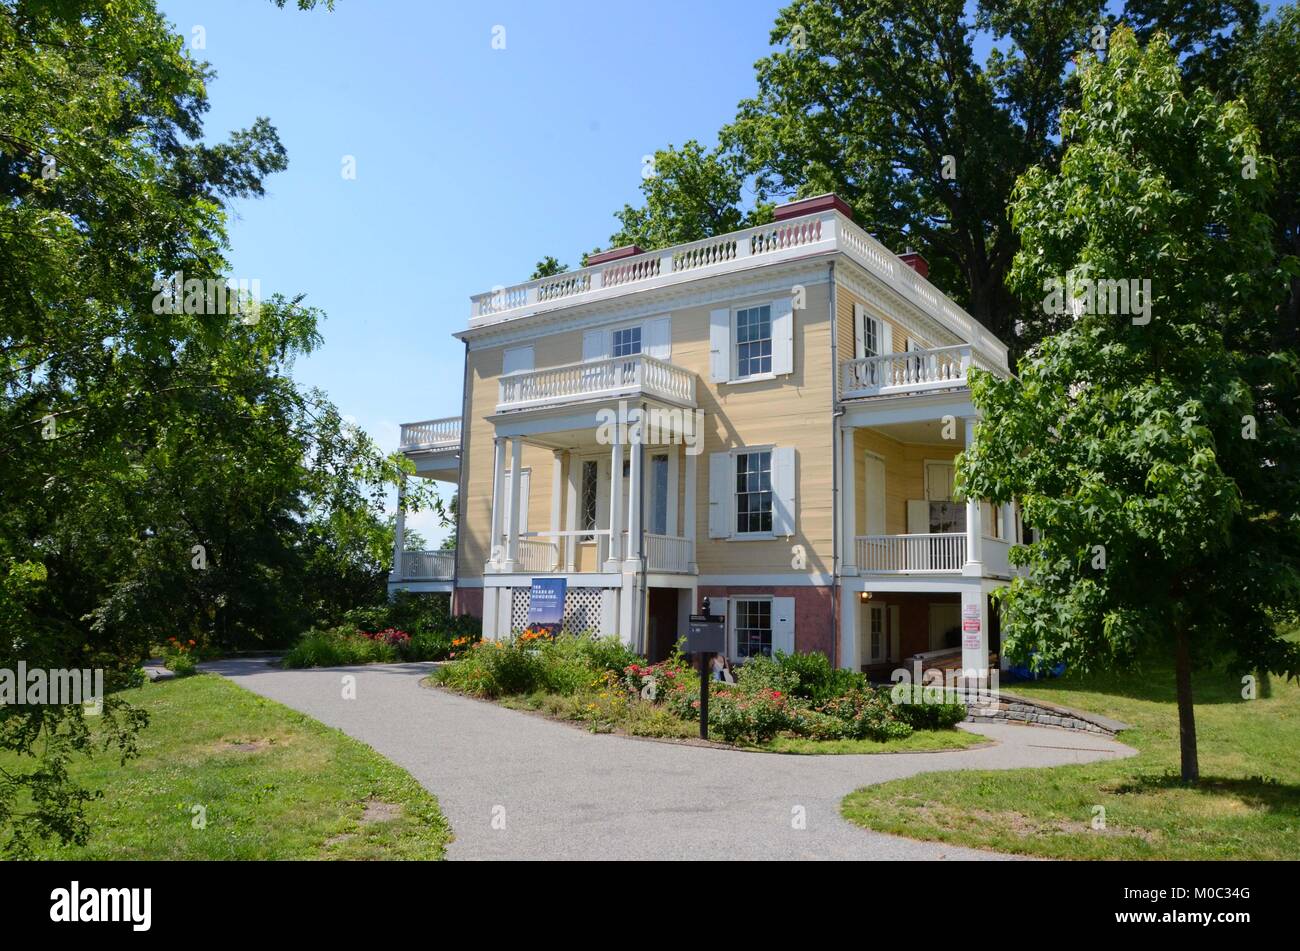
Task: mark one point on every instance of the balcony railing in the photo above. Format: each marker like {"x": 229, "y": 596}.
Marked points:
{"x": 911, "y": 372}
{"x": 899, "y": 554}
{"x": 668, "y": 553}
{"x": 636, "y": 375}
{"x": 428, "y": 565}
{"x": 431, "y": 434}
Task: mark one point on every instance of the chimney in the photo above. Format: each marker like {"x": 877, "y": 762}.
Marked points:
{"x": 811, "y": 206}
{"x": 917, "y": 263}
{"x": 614, "y": 254}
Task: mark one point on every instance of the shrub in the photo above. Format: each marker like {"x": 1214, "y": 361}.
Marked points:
{"x": 180, "y": 657}
{"x": 755, "y": 717}
{"x": 766, "y": 673}
{"x": 816, "y": 679}
{"x": 341, "y": 646}
{"x": 913, "y": 707}
{"x": 866, "y": 715}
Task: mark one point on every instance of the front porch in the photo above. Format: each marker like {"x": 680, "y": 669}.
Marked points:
{"x": 434, "y": 446}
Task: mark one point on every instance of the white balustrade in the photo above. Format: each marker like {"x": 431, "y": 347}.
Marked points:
{"x": 431, "y": 433}
{"x": 613, "y": 376}
{"x": 897, "y": 554}
{"x": 535, "y": 555}
{"x": 911, "y": 372}
{"x": 667, "y": 553}
{"x": 428, "y": 565}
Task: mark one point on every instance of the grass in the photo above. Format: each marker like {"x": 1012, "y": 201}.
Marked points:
{"x": 1247, "y": 805}
{"x": 274, "y": 784}
{"x": 919, "y": 742}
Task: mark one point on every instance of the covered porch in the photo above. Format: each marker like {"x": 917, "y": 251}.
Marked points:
{"x": 434, "y": 446}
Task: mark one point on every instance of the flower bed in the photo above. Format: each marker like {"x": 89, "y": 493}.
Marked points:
{"x": 603, "y": 684}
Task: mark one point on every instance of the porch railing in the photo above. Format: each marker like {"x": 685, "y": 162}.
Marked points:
{"x": 428, "y": 565}
{"x": 613, "y": 376}
{"x": 667, "y": 553}
{"x": 898, "y": 554}
{"x": 911, "y": 372}
{"x": 431, "y": 434}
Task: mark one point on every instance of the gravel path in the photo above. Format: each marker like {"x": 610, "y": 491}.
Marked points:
{"x": 517, "y": 786}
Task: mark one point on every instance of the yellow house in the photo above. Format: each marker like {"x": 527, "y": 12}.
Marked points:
{"x": 768, "y": 418}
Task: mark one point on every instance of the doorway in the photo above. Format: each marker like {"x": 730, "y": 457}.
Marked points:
{"x": 661, "y": 623}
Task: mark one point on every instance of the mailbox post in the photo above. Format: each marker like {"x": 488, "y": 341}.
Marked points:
{"x": 706, "y": 636}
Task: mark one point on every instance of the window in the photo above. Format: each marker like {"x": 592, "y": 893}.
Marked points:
{"x": 753, "y": 628}
{"x": 626, "y": 341}
{"x": 754, "y": 341}
{"x": 590, "y": 485}
{"x": 870, "y": 337}
{"x": 659, "y": 498}
{"x": 754, "y": 492}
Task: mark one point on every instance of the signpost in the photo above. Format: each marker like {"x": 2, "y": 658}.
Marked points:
{"x": 546, "y": 604}
{"x": 706, "y": 636}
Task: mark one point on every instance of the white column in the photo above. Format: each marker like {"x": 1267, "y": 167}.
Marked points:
{"x": 615, "y": 504}
{"x": 688, "y": 516}
{"x": 1009, "y": 522}
{"x": 974, "y": 632}
{"x": 399, "y": 530}
{"x": 635, "y": 503}
{"x": 849, "y": 614}
{"x": 516, "y": 486}
{"x": 670, "y": 521}
{"x": 557, "y": 501}
{"x": 974, "y": 531}
{"x": 571, "y": 514}
{"x": 848, "y": 502}
{"x": 496, "y": 557}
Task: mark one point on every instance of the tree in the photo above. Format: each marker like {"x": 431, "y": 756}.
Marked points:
{"x": 690, "y": 194}
{"x": 1151, "y": 446}
{"x": 163, "y": 474}
{"x": 548, "y": 267}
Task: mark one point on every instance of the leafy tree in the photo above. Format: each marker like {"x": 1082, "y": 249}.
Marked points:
{"x": 690, "y": 194}
{"x": 1154, "y": 451}
{"x": 163, "y": 474}
{"x": 548, "y": 267}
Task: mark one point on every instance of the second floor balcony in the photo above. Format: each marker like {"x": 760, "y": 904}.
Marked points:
{"x": 609, "y": 378}
{"x": 916, "y": 371}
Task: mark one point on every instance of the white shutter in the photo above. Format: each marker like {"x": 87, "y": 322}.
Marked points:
{"x": 859, "y": 331}
{"x": 783, "y": 336}
{"x": 783, "y": 491}
{"x": 783, "y": 625}
{"x": 595, "y": 345}
{"x": 517, "y": 360}
{"x": 918, "y": 517}
{"x": 720, "y": 494}
{"x": 886, "y": 338}
{"x": 657, "y": 338}
{"x": 720, "y": 345}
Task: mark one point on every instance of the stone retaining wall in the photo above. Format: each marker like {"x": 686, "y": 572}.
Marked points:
{"x": 1040, "y": 713}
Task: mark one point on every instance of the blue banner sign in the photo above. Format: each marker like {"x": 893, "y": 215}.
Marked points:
{"x": 546, "y": 604}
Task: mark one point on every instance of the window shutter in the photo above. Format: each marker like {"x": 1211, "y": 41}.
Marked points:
{"x": 918, "y": 517}
{"x": 783, "y": 336}
{"x": 595, "y": 345}
{"x": 886, "y": 338}
{"x": 859, "y": 331}
{"x": 657, "y": 338}
{"x": 517, "y": 360}
{"x": 783, "y": 625}
{"x": 720, "y": 345}
{"x": 720, "y": 494}
{"x": 783, "y": 491}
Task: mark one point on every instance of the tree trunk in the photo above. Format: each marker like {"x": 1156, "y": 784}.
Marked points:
{"x": 1186, "y": 715}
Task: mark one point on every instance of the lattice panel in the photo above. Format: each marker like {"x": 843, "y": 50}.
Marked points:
{"x": 581, "y": 609}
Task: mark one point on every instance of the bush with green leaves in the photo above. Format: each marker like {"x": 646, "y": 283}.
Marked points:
{"x": 817, "y": 679}
{"x": 919, "y": 708}
{"x": 866, "y": 715}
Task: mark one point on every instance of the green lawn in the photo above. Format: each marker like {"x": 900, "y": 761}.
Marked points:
{"x": 922, "y": 741}
{"x": 275, "y": 785}
{"x": 1246, "y": 807}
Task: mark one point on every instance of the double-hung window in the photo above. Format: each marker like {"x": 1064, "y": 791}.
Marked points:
{"x": 753, "y": 627}
{"x": 754, "y": 492}
{"x": 754, "y": 341}
{"x": 626, "y": 341}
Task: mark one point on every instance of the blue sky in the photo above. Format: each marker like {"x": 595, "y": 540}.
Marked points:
{"x": 471, "y": 163}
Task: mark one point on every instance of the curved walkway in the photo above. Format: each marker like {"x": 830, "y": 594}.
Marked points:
{"x": 563, "y": 793}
